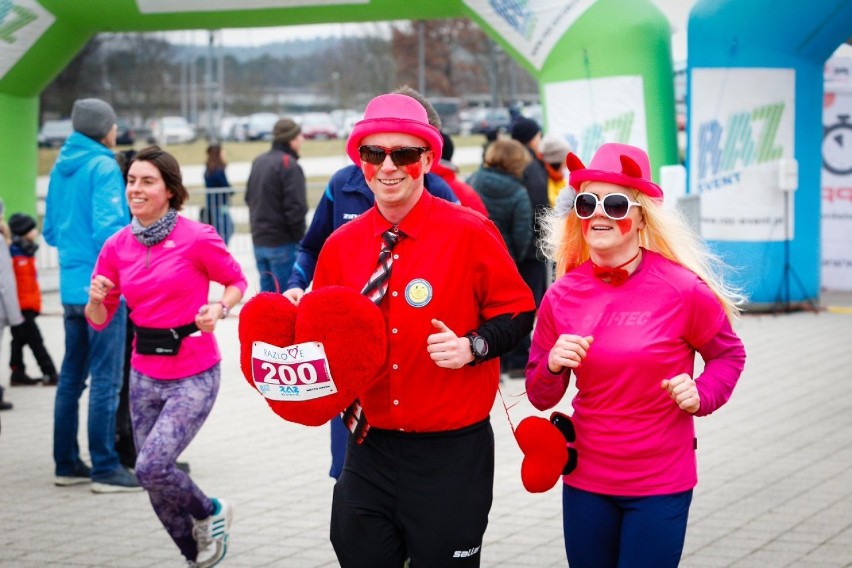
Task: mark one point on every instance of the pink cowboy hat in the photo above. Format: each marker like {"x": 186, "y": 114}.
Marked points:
{"x": 394, "y": 113}
{"x": 620, "y": 164}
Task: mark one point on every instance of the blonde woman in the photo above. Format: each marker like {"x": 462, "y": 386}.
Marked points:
{"x": 637, "y": 296}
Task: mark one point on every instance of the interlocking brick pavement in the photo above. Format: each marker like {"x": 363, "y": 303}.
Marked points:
{"x": 775, "y": 471}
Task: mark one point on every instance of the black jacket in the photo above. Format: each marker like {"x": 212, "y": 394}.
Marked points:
{"x": 535, "y": 180}
{"x": 508, "y": 205}
{"x": 277, "y": 198}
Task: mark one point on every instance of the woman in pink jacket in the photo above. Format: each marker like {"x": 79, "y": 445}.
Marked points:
{"x": 163, "y": 264}
{"x": 637, "y": 296}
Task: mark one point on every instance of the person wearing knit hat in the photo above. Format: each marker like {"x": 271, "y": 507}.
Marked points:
{"x": 285, "y": 130}
{"x": 454, "y": 302}
{"x": 525, "y": 129}
{"x": 533, "y": 267}
{"x": 94, "y": 118}
{"x": 86, "y": 204}
{"x": 20, "y": 224}
{"x": 23, "y": 249}
{"x": 277, "y": 200}
{"x": 637, "y": 297}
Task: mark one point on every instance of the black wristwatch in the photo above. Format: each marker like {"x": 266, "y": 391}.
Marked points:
{"x": 478, "y": 346}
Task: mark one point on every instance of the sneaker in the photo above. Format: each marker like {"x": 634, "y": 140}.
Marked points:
{"x": 82, "y": 474}
{"x": 4, "y": 405}
{"x": 50, "y": 380}
{"x": 211, "y": 534}
{"x": 119, "y": 481}
{"x": 21, "y": 379}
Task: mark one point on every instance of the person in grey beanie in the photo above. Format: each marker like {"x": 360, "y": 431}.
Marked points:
{"x": 277, "y": 200}
{"x": 93, "y": 118}
{"x": 86, "y": 204}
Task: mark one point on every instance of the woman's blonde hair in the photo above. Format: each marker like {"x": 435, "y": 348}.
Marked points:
{"x": 665, "y": 232}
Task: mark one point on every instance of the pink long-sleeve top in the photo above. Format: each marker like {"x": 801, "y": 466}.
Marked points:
{"x": 632, "y": 439}
{"x": 164, "y": 286}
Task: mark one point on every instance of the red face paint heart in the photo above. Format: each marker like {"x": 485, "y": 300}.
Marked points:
{"x": 327, "y": 315}
{"x": 545, "y": 453}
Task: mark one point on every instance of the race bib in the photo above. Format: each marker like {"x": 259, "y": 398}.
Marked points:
{"x": 295, "y": 373}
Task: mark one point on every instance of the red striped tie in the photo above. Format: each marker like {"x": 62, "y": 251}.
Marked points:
{"x": 377, "y": 285}
{"x": 375, "y": 289}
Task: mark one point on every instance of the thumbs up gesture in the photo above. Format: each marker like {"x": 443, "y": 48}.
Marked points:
{"x": 447, "y": 349}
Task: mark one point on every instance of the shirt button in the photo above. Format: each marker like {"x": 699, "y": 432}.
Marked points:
{"x": 396, "y": 403}
{"x": 394, "y": 294}
{"x": 394, "y": 330}
{"x": 396, "y": 257}
{"x": 395, "y": 366}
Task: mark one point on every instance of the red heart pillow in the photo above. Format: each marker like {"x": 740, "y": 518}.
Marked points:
{"x": 545, "y": 453}
{"x": 350, "y": 327}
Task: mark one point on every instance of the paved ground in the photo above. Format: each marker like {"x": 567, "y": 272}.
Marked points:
{"x": 775, "y": 474}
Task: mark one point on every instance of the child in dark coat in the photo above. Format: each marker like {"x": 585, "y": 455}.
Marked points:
{"x": 23, "y": 249}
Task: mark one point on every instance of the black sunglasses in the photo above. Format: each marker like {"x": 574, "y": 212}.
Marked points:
{"x": 616, "y": 206}
{"x": 401, "y": 156}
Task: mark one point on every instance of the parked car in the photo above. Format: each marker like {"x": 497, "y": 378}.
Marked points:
{"x": 54, "y": 132}
{"x": 318, "y": 126}
{"x": 448, "y": 109}
{"x": 260, "y": 125}
{"x": 173, "y": 130}
{"x": 233, "y": 128}
{"x": 344, "y": 119}
{"x": 125, "y": 135}
{"x": 489, "y": 119}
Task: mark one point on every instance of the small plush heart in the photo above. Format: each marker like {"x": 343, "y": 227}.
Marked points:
{"x": 545, "y": 453}
{"x": 329, "y": 316}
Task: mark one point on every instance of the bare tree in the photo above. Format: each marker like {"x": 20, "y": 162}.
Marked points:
{"x": 81, "y": 78}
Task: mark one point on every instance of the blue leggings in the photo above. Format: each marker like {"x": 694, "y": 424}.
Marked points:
{"x": 167, "y": 414}
{"x": 604, "y": 531}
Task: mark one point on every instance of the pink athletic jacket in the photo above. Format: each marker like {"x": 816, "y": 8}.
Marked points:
{"x": 632, "y": 439}
{"x": 165, "y": 285}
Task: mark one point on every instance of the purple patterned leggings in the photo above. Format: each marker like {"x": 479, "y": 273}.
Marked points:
{"x": 167, "y": 414}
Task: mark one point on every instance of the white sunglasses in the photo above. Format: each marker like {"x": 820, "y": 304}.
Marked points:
{"x": 616, "y": 206}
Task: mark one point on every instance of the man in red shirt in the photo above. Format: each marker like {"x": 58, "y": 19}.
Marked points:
{"x": 419, "y": 485}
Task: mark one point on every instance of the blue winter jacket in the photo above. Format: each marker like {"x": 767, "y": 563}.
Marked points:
{"x": 346, "y": 196}
{"x": 86, "y": 204}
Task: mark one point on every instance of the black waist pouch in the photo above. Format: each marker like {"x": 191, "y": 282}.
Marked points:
{"x": 153, "y": 341}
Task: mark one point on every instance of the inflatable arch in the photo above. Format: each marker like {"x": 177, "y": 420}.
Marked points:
{"x": 604, "y": 66}
{"x": 755, "y": 137}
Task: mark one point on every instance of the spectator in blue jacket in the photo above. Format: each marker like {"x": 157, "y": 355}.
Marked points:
{"x": 346, "y": 196}
{"x": 86, "y": 204}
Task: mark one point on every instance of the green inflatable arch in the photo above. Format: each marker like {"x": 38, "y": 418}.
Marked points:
{"x": 603, "y": 66}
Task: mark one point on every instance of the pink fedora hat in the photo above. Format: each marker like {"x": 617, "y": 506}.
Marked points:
{"x": 620, "y": 164}
{"x": 394, "y": 113}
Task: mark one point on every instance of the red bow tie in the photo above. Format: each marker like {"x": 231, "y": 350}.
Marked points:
{"x": 617, "y": 275}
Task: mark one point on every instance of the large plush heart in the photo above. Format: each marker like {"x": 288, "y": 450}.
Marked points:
{"x": 545, "y": 453}
{"x": 350, "y": 327}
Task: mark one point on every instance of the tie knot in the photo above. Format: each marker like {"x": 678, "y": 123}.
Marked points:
{"x": 391, "y": 237}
